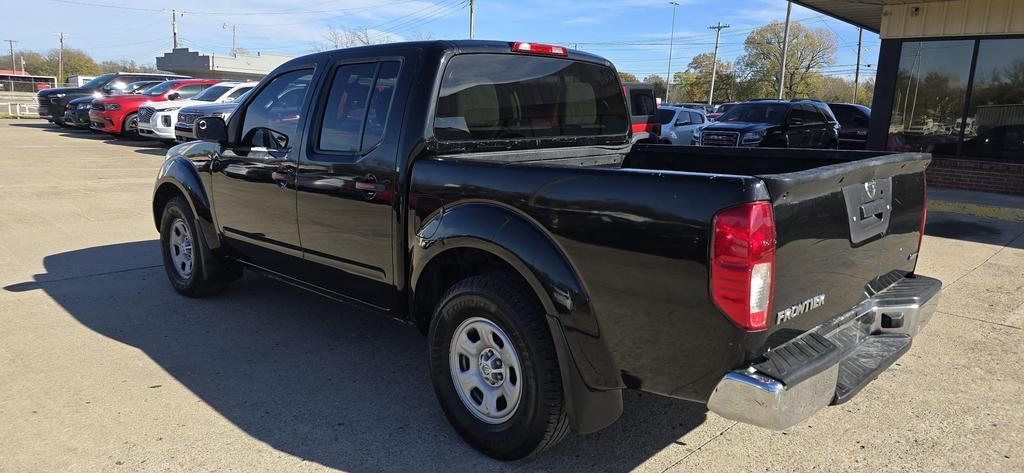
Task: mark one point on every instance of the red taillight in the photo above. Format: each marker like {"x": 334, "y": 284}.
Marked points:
{"x": 535, "y": 48}
{"x": 743, "y": 263}
{"x": 924, "y": 210}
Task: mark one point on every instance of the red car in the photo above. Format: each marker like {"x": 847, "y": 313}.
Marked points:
{"x": 118, "y": 114}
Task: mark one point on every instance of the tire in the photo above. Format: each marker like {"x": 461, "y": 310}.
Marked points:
{"x": 509, "y": 325}
{"x": 130, "y": 126}
{"x": 184, "y": 251}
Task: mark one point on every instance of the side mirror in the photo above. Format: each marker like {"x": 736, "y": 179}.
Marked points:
{"x": 173, "y": 96}
{"x": 682, "y": 122}
{"x": 211, "y": 129}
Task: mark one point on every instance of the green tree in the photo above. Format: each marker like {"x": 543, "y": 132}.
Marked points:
{"x": 810, "y": 50}
{"x": 694, "y": 84}
{"x": 659, "y": 85}
{"x": 125, "y": 65}
{"x": 627, "y": 77}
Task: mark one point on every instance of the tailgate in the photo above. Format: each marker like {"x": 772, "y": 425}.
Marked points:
{"x": 844, "y": 231}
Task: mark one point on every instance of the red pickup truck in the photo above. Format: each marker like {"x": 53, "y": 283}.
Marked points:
{"x": 118, "y": 114}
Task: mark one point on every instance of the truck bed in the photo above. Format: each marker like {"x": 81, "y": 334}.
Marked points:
{"x": 635, "y": 221}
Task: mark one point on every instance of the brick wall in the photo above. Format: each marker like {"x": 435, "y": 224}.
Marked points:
{"x": 984, "y": 176}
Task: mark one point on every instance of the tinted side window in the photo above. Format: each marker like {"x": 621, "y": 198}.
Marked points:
{"x": 237, "y": 93}
{"x": 190, "y": 90}
{"x": 278, "y": 106}
{"x": 696, "y": 118}
{"x": 346, "y": 107}
{"x": 844, "y": 114}
{"x": 380, "y": 105}
{"x": 642, "y": 102}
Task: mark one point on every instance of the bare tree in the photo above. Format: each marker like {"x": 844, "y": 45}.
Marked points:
{"x": 337, "y": 38}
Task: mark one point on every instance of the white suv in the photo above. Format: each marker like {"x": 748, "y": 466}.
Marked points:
{"x": 156, "y": 119}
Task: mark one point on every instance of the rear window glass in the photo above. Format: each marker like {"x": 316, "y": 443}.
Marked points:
{"x": 642, "y": 102}
{"x": 665, "y": 115}
{"x": 504, "y": 96}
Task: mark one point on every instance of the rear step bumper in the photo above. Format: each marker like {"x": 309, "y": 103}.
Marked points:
{"x": 830, "y": 364}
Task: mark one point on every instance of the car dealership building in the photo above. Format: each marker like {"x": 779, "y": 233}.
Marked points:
{"x": 950, "y": 81}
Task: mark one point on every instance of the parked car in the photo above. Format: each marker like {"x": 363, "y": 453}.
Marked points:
{"x": 118, "y": 114}
{"x": 854, "y": 122}
{"x": 681, "y": 126}
{"x": 488, "y": 193}
{"x": 187, "y": 116}
{"x": 76, "y": 112}
{"x": 720, "y": 110}
{"x": 643, "y": 111}
{"x": 52, "y": 102}
{"x": 157, "y": 119}
{"x": 774, "y": 124}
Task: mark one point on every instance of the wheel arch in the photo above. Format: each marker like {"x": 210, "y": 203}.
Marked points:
{"x": 477, "y": 237}
{"x": 178, "y": 177}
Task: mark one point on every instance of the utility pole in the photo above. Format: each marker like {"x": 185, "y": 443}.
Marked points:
{"x": 856, "y": 75}
{"x": 14, "y": 65}
{"x": 671, "y": 39}
{"x": 472, "y": 17}
{"x": 785, "y": 49}
{"x": 234, "y": 46}
{"x": 60, "y": 61}
{"x": 174, "y": 29}
{"x": 714, "y": 59}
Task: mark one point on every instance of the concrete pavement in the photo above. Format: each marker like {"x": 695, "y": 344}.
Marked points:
{"x": 104, "y": 368}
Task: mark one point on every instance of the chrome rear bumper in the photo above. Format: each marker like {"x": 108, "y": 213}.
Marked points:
{"x": 857, "y": 345}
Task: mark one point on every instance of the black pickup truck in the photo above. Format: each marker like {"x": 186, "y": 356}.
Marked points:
{"x": 487, "y": 193}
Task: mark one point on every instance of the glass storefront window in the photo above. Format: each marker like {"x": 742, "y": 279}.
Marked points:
{"x": 995, "y": 122}
{"x": 931, "y": 87}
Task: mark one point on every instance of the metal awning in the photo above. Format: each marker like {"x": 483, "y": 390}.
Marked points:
{"x": 864, "y": 13}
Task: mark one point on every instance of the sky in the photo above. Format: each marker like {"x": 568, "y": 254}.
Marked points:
{"x": 634, "y": 34}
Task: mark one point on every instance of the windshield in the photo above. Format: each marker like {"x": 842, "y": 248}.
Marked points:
{"x": 772, "y": 113}
{"x": 725, "y": 107}
{"x": 139, "y": 87}
{"x": 212, "y": 94}
{"x": 160, "y": 88}
{"x": 95, "y": 83}
{"x": 665, "y": 115}
{"x": 504, "y": 96}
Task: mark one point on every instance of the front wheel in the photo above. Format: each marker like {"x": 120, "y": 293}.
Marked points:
{"x": 494, "y": 368}
{"x": 130, "y": 128}
{"x": 184, "y": 251}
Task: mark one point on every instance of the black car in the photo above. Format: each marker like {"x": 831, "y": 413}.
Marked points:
{"x": 53, "y": 102}
{"x": 775, "y": 124}
{"x": 854, "y": 120}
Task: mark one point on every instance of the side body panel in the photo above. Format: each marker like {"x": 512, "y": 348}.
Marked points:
{"x": 621, "y": 255}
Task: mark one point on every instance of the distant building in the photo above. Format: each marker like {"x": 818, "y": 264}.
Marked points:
{"x": 949, "y": 81}
{"x": 78, "y": 81}
{"x": 219, "y": 66}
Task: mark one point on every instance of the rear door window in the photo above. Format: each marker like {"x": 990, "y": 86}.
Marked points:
{"x": 358, "y": 107}
{"x": 505, "y": 96}
{"x": 642, "y": 102}
{"x": 696, "y": 118}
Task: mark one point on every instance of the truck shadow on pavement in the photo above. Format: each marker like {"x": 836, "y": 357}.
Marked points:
{"x": 326, "y": 382}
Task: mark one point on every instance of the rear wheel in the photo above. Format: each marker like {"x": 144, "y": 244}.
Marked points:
{"x": 494, "y": 368}
{"x": 184, "y": 251}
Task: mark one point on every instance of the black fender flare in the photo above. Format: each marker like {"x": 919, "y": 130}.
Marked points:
{"x": 181, "y": 173}
{"x": 592, "y": 382}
